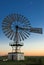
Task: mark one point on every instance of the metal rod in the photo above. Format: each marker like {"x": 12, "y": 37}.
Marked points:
{"x": 16, "y": 40}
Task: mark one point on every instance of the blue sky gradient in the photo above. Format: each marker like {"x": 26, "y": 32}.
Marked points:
{"x": 34, "y": 11}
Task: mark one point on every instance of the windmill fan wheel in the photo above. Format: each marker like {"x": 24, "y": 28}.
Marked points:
{"x": 13, "y": 21}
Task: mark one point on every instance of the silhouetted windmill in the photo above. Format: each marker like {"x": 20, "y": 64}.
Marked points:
{"x": 17, "y": 28}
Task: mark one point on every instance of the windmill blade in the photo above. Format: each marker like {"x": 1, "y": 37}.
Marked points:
{"x": 19, "y": 37}
{"x": 24, "y": 35}
{"x": 36, "y": 30}
{"x": 12, "y": 35}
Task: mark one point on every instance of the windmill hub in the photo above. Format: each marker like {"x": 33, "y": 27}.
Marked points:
{"x": 17, "y": 26}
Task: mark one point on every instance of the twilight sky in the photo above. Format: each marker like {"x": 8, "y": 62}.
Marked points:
{"x": 34, "y": 11}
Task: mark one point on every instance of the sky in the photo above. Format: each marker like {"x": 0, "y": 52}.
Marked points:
{"x": 34, "y": 11}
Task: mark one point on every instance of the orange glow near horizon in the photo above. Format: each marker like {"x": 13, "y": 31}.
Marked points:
{"x": 27, "y": 53}
{"x": 34, "y": 53}
{"x": 3, "y": 53}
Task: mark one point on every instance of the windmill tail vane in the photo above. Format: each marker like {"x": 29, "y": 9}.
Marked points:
{"x": 33, "y": 30}
{"x": 36, "y": 30}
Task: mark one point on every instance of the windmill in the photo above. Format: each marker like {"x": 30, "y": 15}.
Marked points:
{"x": 17, "y": 28}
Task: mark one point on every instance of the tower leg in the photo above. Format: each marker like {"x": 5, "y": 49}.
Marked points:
{"x": 12, "y": 53}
